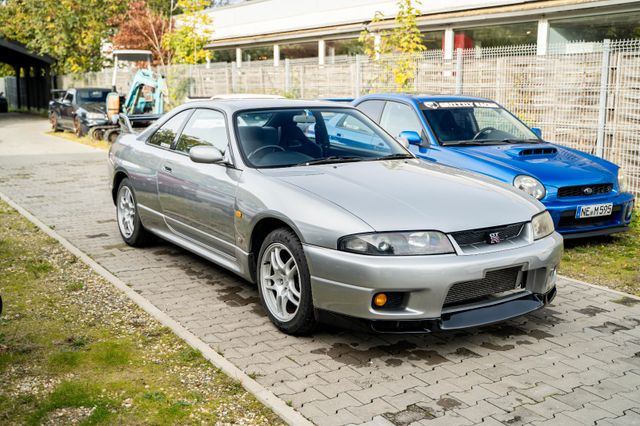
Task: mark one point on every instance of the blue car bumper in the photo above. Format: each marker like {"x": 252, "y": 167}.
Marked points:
{"x": 563, "y": 213}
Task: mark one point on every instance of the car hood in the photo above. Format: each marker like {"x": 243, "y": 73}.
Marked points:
{"x": 94, "y": 107}
{"x": 552, "y": 164}
{"x": 413, "y": 195}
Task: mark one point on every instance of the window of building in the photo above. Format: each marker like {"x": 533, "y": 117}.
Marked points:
{"x": 497, "y": 35}
{"x": 595, "y": 28}
{"x": 433, "y": 39}
{"x": 300, "y": 50}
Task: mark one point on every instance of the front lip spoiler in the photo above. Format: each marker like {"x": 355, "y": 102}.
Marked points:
{"x": 595, "y": 233}
{"x": 476, "y": 317}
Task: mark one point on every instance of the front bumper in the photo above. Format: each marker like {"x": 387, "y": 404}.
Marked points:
{"x": 563, "y": 213}
{"x": 345, "y": 283}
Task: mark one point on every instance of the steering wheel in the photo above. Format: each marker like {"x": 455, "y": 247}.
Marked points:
{"x": 254, "y": 152}
{"x": 484, "y": 130}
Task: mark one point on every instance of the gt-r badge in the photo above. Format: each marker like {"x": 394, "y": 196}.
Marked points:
{"x": 494, "y": 238}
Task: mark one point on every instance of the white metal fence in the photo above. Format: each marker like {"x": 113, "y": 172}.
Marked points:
{"x": 582, "y": 95}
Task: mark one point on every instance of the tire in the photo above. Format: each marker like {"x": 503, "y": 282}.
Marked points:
{"x": 289, "y": 318}
{"x": 53, "y": 119}
{"x": 78, "y": 128}
{"x": 131, "y": 229}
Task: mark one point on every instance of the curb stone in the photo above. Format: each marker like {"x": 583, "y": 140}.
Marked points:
{"x": 278, "y": 406}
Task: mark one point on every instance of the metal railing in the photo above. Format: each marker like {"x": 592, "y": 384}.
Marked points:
{"x": 582, "y": 95}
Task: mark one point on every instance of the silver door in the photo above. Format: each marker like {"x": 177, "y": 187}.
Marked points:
{"x": 198, "y": 200}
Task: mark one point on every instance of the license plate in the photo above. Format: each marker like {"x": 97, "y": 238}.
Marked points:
{"x": 594, "y": 210}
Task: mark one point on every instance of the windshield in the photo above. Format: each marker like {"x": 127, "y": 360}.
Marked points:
{"x": 301, "y": 137}
{"x": 91, "y": 96}
{"x": 473, "y": 123}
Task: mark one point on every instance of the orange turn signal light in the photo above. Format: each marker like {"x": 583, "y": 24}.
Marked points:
{"x": 380, "y": 299}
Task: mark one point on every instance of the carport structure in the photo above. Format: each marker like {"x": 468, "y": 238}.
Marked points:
{"x": 31, "y": 86}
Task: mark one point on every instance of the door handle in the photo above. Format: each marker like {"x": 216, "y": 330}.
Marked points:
{"x": 167, "y": 169}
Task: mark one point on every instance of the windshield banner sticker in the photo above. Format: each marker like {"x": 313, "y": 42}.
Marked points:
{"x": 459, "y": 104}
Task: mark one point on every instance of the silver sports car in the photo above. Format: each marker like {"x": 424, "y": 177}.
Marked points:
{"x": 331, "y": 228}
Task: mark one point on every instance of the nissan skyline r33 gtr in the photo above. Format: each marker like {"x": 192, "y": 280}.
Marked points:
{"x": 332, "y": 228}
{"x": 585, "y": 195}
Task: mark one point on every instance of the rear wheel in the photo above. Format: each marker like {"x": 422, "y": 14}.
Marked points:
{"x": 131, "y": 229}
{"x": 284, "y": 283}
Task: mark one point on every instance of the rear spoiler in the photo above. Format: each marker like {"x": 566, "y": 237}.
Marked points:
{"x": 129, "y": 122}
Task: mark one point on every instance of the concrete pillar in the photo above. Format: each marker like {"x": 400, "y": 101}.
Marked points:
{"x": 543, "y": 36}
{"x": 448, "y": 43}
{"x": 332, "y": 54}
{"x": 322, "y": 51}
{"x": 377, "y": 44}
{"x": 238, "y": 57}
{"x": 276, "y": 55}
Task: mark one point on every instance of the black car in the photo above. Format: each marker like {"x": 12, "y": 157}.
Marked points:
{"x": 78, "y": 110}
{"x": 4, "y": 105}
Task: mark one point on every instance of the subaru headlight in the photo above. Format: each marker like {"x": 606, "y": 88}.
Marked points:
{"x": 530, "y": 185}
{"x": 95, "y": 116}
{"x": 542, "y": 225}
{"x": 622, "y": 181}
{"x": 413, "y": 243}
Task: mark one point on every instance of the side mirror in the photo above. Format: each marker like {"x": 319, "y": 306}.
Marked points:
{"x": 537, "y": 131}
{"x": 412, "y": 138}
{"x": 205, "y": 154}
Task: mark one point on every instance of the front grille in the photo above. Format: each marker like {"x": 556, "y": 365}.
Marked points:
{"x": 481, "y": 236}
{"x": 585, "y": 190}
{"x": 493, "y": 282}
{"x": 568, "y": 219}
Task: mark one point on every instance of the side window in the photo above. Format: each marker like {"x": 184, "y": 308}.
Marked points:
{"x": 167, "y": 132}
{"x": 352, "y": 123}
{"x": 69, "y": 97}
{"x": 205, "y": 127}
{"x": 399, "y": 117}
{"x": 372, "y": 109}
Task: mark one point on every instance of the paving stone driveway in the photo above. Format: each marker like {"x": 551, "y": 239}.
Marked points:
{"x": 577, "y": 362}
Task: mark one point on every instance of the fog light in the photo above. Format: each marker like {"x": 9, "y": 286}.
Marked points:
{"x": 380, "y": 300}
{"x": 629, "y": 212}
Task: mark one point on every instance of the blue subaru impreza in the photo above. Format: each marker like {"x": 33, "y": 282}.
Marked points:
{"x": 585, "y": 195}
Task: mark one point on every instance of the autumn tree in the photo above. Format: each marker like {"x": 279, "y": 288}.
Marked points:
{"x": 72, "y": 31}
{"x": 143, "y": 28}
{"x": 191, "y": 32}
{"x": 404, "y": 41}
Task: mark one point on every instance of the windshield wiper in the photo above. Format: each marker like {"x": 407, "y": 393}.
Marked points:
{"x": 474, "y": 142}
{"x": 395, "y": 156}
{"x": 521, "y": 140}
{"x": 331, "y": 159}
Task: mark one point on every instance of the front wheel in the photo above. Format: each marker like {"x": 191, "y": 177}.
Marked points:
{"x": 284, "y": 283}
{"x": 129, "y": 224}
{"x": 53, "y": 119}
{"x": 78, "y": 128}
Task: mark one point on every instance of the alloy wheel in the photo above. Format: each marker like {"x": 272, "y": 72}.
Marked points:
{"x": 280, "y": 282}
{"x": 126, "y": 212}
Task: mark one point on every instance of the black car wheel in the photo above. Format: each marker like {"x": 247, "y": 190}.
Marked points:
{"x": 53, "y": 119}
{"x": 78, "y": 128}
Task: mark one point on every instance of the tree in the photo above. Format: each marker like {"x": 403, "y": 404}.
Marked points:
{"x": 143, "y": 28}
{"x": 72, "y": 31}
{"x": 404, "y": 41}
{"x": 191, "y": 33}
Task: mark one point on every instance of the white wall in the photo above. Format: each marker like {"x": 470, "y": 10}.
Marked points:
{"x": 269, "y": 16}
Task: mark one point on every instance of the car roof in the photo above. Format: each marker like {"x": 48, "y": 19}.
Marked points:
{"x": 233, "y": 105}
{"x": 423, "y": 97}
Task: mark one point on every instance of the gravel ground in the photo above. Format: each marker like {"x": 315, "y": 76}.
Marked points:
{"x": 75, "y": 350}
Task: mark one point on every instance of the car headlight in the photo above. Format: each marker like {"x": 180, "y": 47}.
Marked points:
{"x": 95, "y": 116}
{"x": 542, "y": 225}
{"x": 622, "y": 181}
{"x": 530, "y": 185}
{"x": 411, "y": 243}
